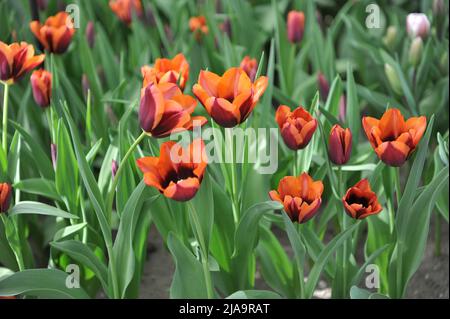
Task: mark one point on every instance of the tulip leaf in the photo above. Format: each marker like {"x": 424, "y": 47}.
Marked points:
{"x": 188, "y": 280}
{"x": 38, "y": 186}
{"x": 67, "y": 231}
{"x": 333, "y": 245}
{"x": 254, "y": 294}
{"x": 28, "y": 207}
{"x": 84, "y": 255}
{"x": 353, "y": 114}
{"x": 332, "y": 103}
{"x": 46, "y": 283}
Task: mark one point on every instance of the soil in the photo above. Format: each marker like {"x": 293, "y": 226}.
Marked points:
{"x": 429, "y": 282}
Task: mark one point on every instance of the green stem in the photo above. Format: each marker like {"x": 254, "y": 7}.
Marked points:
{"x": 50, "y": 125}
{"x": 112, "y": 191}
{"x": 233, "y": 191}
{"x": 204, "y": 250}
{"x": 295, "y": 166}
{"x": 5, "y": 120}
{"x": 11, "y": 241}
{"x": 301, "y": 279}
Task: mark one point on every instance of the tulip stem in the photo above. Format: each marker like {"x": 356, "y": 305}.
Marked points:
{"x": 203, "y": 249}
{"x": 115, "y": 181}
{"x": 295, "y": 166}
{"x": 5, "y": 120}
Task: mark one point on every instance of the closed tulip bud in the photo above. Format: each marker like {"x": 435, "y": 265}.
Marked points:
{"x": 90, "y": 34}
{"x": 295, "y": 26}
{"x": 41, "y": 83}
{"x": 301, "y": 197}
{"x": 342, "y": 108}
{"x": 85, "y": 84}
{"x": 250, "y": 66}
{"x": 417, "y": 25}
{"x": 393, "y": 79}
{"x": 415, "y": 51}
{"x": 390, "y": 37}
{"x": 178, "y": 172}
{"x": 393, "y": 138}
{"x": 54, "y": 154}
{"x": 226, "y": 27}
{"x": 5, "y": 197}
{"x": 324, "y": 86}
{"x": 443, "y": 63}
{"x": 297, "y": 127}
{"x": 360, "y": 201}
{"x": 114, "y": 167}
{"x": 339, "y": 145}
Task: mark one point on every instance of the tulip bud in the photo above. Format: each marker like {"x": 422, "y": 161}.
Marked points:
{"x": 85, "y": 84}
{"x": 415, "y": 51}
{"x": 114, "y": 168}
{"x": 339, "y": 145}
{"x": 390, "y": 37}
{"x": 393, "y": 79}
{"x": 295, "y": 26}
{"x": 342, "y": 108}
{"x": 149, "y": 17}
{"x": 417, "y": 25}
{"x": 226, "y": 27}
{"x": 41, "y": 83}
{"x": 42, "y": 4}
{"x": 324, "y": 86}
{"x": 250, "y": 66}
{"x": 54, "y": 154}
{"x": 90, "y": 34}
{"x": 5, "y": 197}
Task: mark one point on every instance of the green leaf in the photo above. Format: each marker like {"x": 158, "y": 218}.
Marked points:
{"x": 68, "y": 231}
{"x": 38, "y": 186}
{"x": 332, "y": 104}
{"x": 321, "y": 262}
{"x": 188, "y": 280}
{"x": 46, "y": 283}
{"x": 353, "y": 114}
{"x": 28, "y": 207}
{"x": 83, "y": 254}
{"x": 254, "y": 294}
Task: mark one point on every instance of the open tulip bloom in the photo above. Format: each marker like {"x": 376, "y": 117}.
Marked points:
{"x": 264, "y": 149}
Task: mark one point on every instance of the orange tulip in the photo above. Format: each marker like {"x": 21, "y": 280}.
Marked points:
{"x": 16, "y": 59}
{"x": 301, "y": 196}
{"x": 295, "y": 26}
{"x": 297, "y": 127}
{"x": 360, "y": 201}
{"x": 165, "y": 70}
{"x": 164, "y": 109}
{"x": 339, "y": 145}
{"x": 41, "y": 83}
{"x": 250, "y": 66}
{"x": 124, "y": 9}
{"x": 198, "y": 26}
{"x": 392, "y": 138}
{"x": 177, "y": 172}
{"x": 229, "y": 98}
{"x": 5, "y": 197}
{"x": 55, "y": 35}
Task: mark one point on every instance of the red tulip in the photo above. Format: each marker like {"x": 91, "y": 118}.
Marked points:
{"x": 174, "y": 70}
{"x": 360, "y": 201}
{"x": 339, "y": 145}
{"x": 55, "y": 35}
{"x": 198, "y": 26}
{"x": 295, "y": 26}
{"x": 41, "y": 83}
{"x": 164, "y": 109}
{"x": 5, "y": 197}
{"x": 250, "y": 66}
{"x": 297, "y": 127}
{"x": 124, "y": 9}
{"x": 17, "y": 59}
{"x": 393, "y": 139}
{"x": 229, "y": 98}
{"x": 300, "y": 196}
{"x": 177, "y": 172}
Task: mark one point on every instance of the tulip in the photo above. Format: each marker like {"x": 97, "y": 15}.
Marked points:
{"x": 417, "y": 25}
{"x": 90, "y": 34}
{"x": 114, "y": 167}
{"x": 390, "y": 37}
{"x": 342, "y": 108}
{"x": 5, "y": 197}
{"x": 250, "y": 66}
{"x": 167, "y": 71}
{"x": 124, "y": 9}
{"x": 55, "y": 35}
{"x": 176, "y": 178}
{"x": 17, "y": 59}
{"x": 393, "y": 139}
{"x": 300, "y": 196}
{"x": 226, "y": 27}
{"x": 360, "y": 201}
{"x": 297, "y": 127}
{"x": 393, "y": 79}
{"x": 164, "y": 109}
{"x": 41, "y": 83}
{"x": 54, "y": 154}
{"x": 324, "y": 86}
{"x": 415, "y": 51}
{"x": 229, "y": 98}
{"x": 198, "y": 26}
{"x": 339, "y": 145}
{"x": 295, "y": 26}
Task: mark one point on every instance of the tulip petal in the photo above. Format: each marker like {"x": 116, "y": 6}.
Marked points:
{"x": 282, "y": 114}
{"x": 209, "y": 82}
{"x": 224, "y": 113}
{"x": 151, "y": 108}
{"x": 393, "y": 153}
{"x": 416, "y": 127}
{"x": 182, "y": 190}
{"x": 391, "y": 124}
